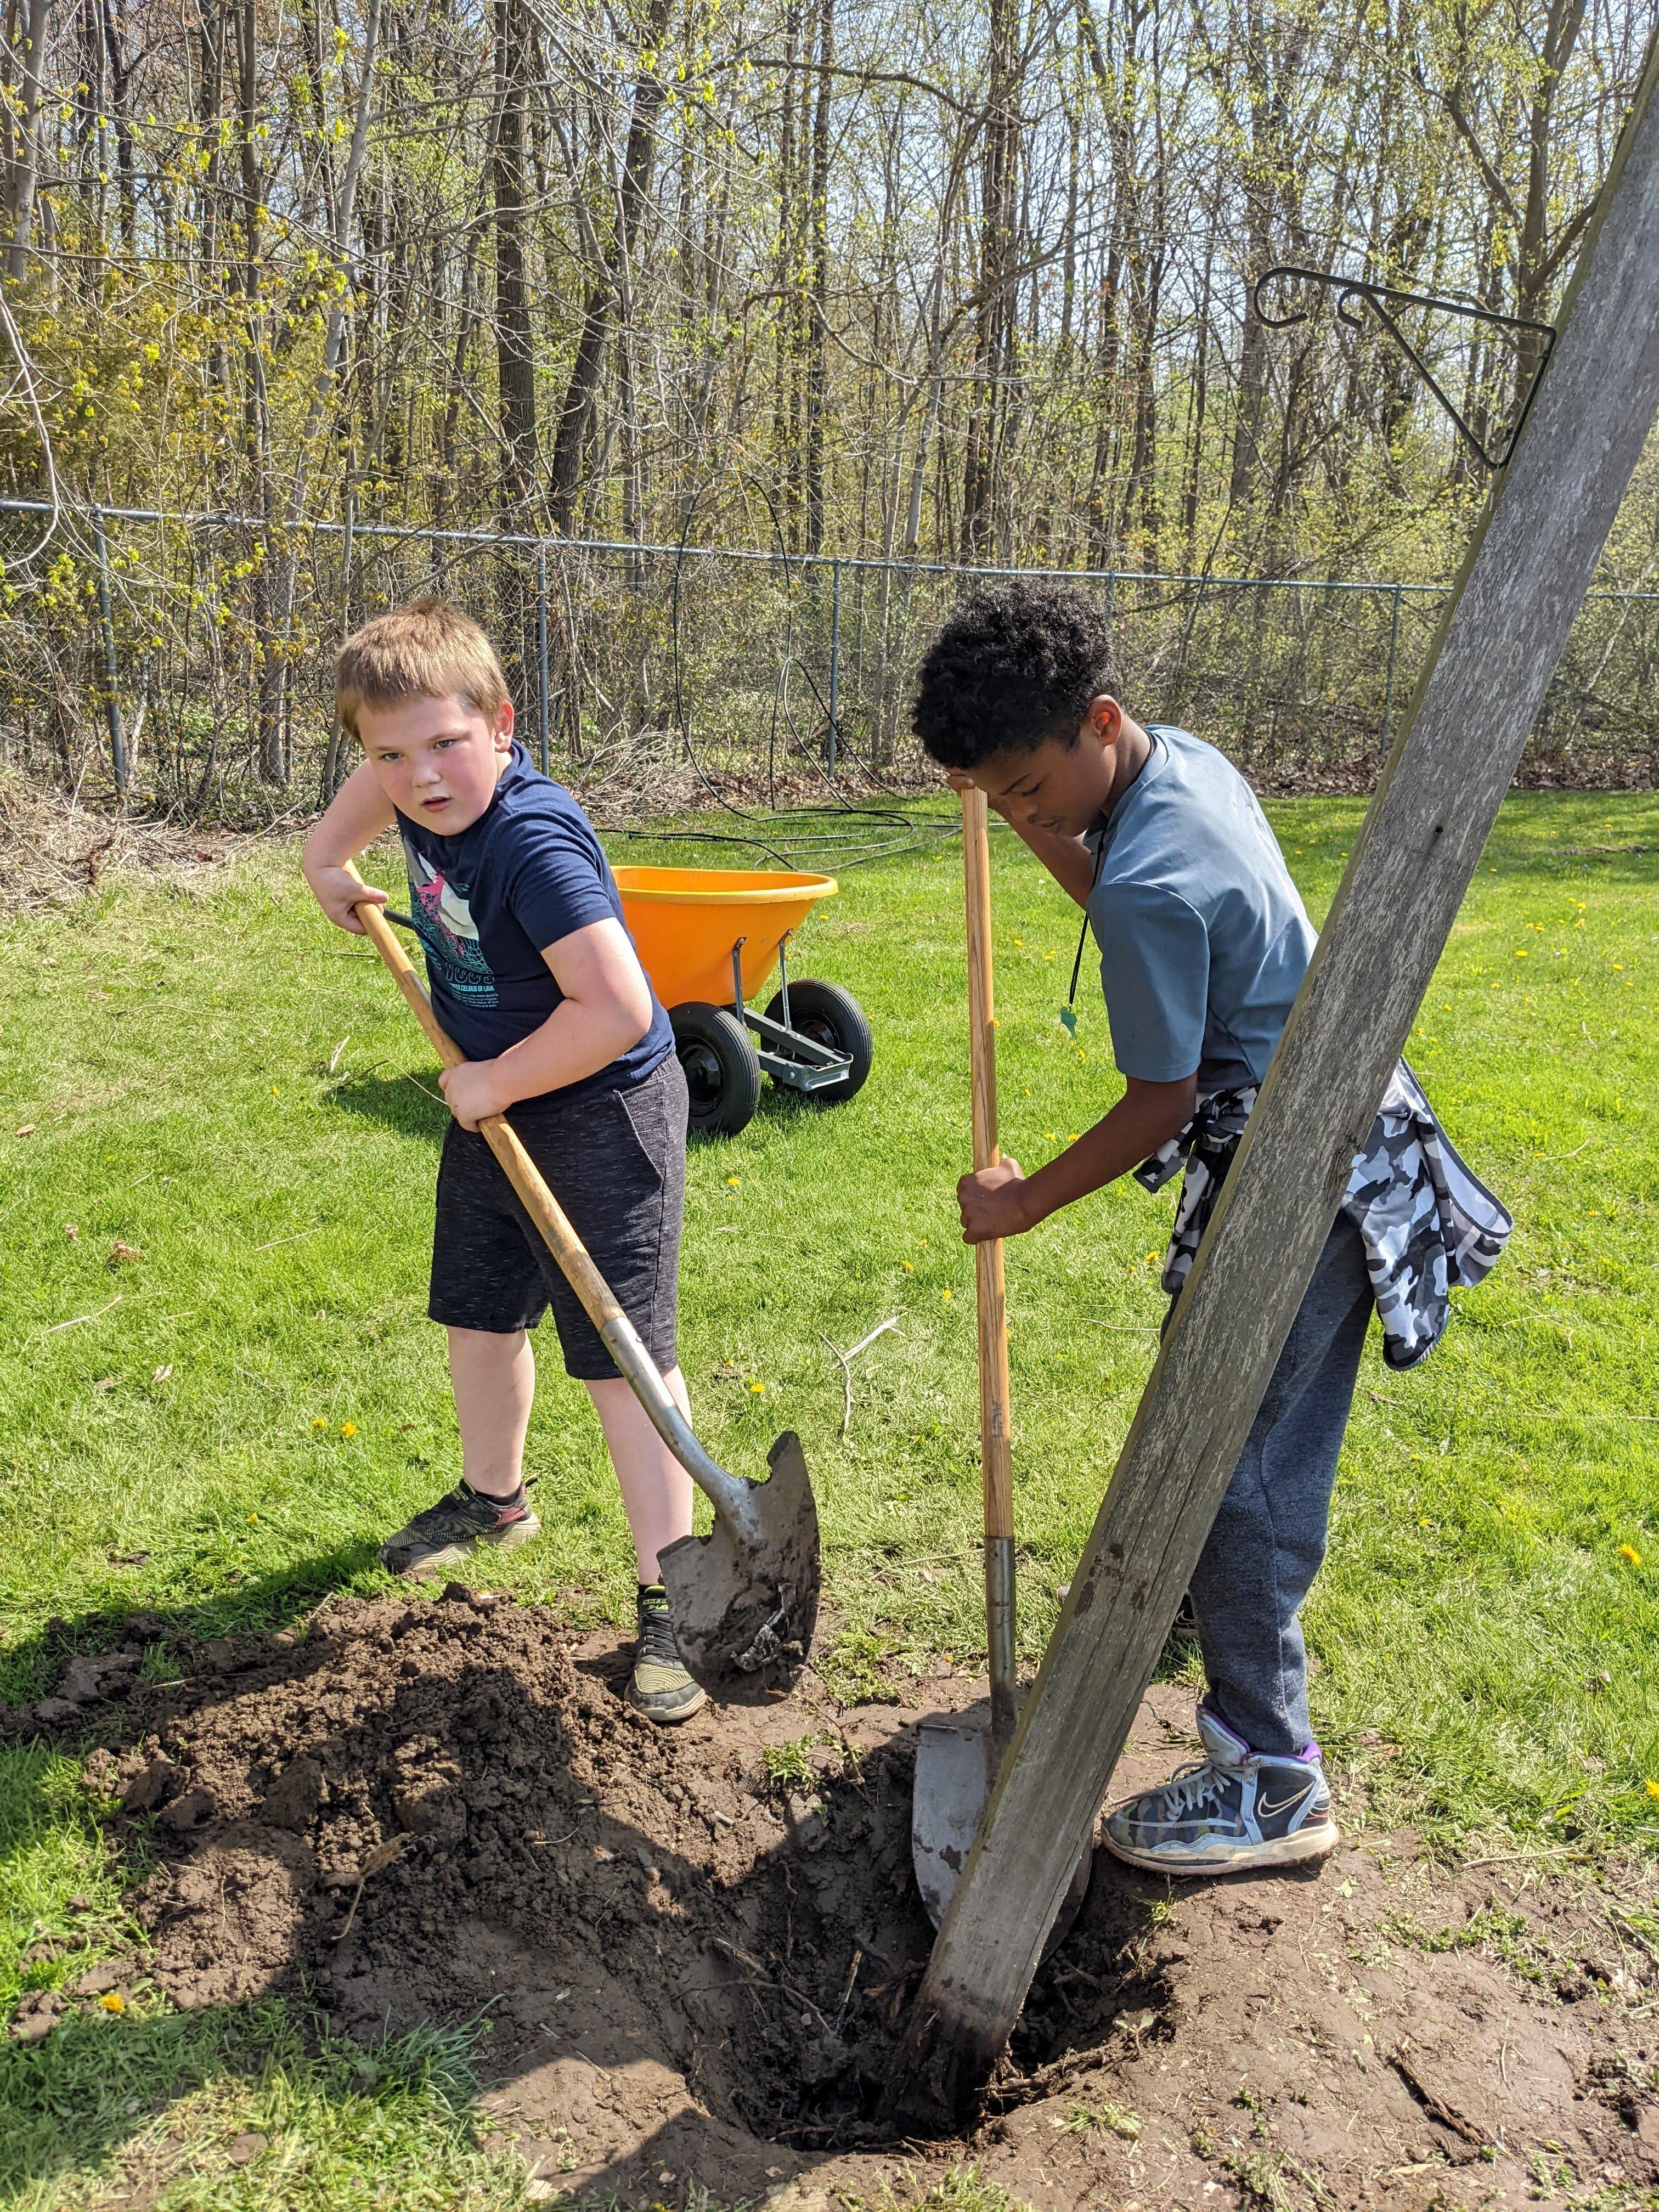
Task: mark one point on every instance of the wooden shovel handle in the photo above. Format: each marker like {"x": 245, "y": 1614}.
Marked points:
{"x": 995, "y": 1454}
{"x": 521, "y": 1170}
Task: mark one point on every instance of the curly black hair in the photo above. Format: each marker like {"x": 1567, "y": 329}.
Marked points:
{"x": 1016, "y": 664}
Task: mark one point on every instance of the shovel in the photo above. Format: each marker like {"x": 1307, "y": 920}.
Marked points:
{"x": 956, "y": 1760}
{"x": 743, "y": 1600}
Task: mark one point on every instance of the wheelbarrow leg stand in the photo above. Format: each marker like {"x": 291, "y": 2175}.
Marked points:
{"x": 786, "y": 1055}
{"x": 738, "y": 1007}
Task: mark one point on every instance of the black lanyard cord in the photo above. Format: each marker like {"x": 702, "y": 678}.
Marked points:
{"x": 1083, "y": 935}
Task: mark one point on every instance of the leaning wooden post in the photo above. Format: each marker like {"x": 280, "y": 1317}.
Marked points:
{"x": 1521, "y": 585}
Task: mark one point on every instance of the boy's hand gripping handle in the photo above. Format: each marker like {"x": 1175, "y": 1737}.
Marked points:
{"x": 730, "y": 1494}
{"x": 996, "y": 1464}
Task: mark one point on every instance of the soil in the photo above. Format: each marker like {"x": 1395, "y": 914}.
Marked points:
{"x": 694, "y": 1949}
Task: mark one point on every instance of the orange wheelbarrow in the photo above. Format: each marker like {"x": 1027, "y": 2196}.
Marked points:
{"x": 708, "y": 938}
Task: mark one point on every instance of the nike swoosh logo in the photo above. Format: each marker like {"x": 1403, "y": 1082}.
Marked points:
{"x": 1266, "y": 1811}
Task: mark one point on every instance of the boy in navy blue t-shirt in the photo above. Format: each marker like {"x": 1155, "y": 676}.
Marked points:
{"x": 534, "y": 975}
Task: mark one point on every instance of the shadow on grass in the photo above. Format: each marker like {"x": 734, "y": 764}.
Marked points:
{"x": 397, "y": 1102}
{"x": 278, "y": 1599}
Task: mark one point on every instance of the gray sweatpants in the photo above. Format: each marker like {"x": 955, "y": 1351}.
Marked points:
{"x": 1268, "y": 1541}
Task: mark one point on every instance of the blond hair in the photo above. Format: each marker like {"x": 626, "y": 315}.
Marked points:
{"x": 426, "y": 650}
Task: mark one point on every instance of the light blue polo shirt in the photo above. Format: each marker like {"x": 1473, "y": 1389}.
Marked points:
{"x": 1203, "y": 937}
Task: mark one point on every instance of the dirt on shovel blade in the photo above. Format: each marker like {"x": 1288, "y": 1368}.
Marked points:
{"x": 743, "y": 1613}
{"x": 692, "y": 1951}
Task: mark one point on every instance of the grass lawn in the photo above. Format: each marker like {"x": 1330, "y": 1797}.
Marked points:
{"x": 222, "y": 1426}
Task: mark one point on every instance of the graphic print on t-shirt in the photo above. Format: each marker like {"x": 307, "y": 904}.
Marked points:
{"x": 444, "y": 920}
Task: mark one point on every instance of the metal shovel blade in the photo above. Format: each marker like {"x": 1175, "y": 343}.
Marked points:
{"x": 953, "y": 1780}
{"x": 743, "y": 1600}
{"x": 956, "y": 1767}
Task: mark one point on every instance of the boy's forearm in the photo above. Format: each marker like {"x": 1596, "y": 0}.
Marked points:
{"x": 1067, "y": 859}
{"x": 575, "y": 1041}
{"x": 1135, "y": 1129}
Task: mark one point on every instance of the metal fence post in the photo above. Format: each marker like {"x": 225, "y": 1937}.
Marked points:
{"x": 834, "y": 659}
{"x": 541, "y": 646}
{"x": 1393, "y": 651}
{"x": 118, "y": 740}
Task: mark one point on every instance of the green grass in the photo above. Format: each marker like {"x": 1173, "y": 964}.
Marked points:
{"x": 252, "y": 1402}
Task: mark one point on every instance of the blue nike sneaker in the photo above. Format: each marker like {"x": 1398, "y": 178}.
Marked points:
{"x": 1229, "y": 1813}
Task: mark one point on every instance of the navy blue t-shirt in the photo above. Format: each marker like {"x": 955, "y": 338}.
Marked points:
{"x": 527, "y": 873}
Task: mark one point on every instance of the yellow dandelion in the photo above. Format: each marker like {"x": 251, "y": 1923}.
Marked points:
{"x": 757, "y": 1389}
{"x": 318, "y": 1422}
{"x": 1519, "y": 951}
{"x": 251, "y": 1518}
{"x": 1619, "y": 966}
{"x": 1630, "y": 1554}
{"x": 1151, "y": 1259}
{"x": 348, "y": 1428}
{"x": 1652, "y": 1788}
{"x": 908, "y": 1265}
{"x": 113, "y": 2000}
{"x": 734, "y": 1183}
{"x": 945, "y": 1296}
{"x": 1048, "y": 1136}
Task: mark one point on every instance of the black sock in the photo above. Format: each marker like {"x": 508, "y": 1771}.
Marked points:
{"x": 514, "y": 1504}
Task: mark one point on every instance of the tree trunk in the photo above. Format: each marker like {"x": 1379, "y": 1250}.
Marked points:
{"x": 516, "y": 363}
{"x": 816, "y": 384}
{"x": 995, "y": 341}
{"x": 25, "y": 170}
{"x": 638, "y": 161}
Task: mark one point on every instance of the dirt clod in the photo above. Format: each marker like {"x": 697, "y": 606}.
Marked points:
{"x": 294, "y": 1800}
{"x": 37, "y": 2014}
{"x": 193, "y": 1810}
{"x": 91, "y": 1675}
{"x": 150, "y": 1786}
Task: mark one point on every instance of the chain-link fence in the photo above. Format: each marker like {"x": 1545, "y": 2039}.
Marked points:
{"x": 187, "y": 659}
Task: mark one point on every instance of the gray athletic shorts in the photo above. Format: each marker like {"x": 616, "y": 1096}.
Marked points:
{"x": 616, "y": 1161}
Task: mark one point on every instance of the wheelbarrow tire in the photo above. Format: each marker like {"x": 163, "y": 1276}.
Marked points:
{"x": 832, "y": 1016}
{"x": 722, "y": 1068}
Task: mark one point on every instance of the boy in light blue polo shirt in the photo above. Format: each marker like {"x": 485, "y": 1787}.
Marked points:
{"x": 1203, "y": 944}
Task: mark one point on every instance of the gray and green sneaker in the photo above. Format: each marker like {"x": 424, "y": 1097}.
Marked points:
{"x": 659, "y": 1687}
{"x": 450, "y": 1531}
{"x": 1231, "y": 1812}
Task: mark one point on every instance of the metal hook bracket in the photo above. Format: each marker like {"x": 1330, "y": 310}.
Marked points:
{"x": 1353, "y": 294}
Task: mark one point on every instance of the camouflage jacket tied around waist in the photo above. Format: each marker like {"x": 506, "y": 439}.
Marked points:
{"x": 1429, "y": 1224}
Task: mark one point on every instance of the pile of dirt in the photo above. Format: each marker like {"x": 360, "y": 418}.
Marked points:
{"x": 695, "y": 1948}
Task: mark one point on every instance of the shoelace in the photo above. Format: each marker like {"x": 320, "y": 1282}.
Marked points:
{"x": 1189, "y": 1788}
{"x": 454, "y": 1503}
{"x": 657, "y": 1637}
